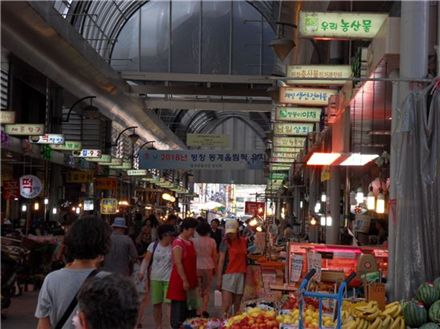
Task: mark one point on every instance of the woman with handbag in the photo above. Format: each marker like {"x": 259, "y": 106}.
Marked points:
{"x": 157, "y": 264}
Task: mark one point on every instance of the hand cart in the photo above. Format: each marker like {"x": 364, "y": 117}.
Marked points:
{"x": 320, "y": 296}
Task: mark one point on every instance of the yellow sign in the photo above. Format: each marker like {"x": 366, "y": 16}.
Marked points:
{"x": 298, "y": 114}
{"x": 79, "y": 177}
{"x": 109, "y": 206}
{"x": 288, "y": 141}
{"x": 7, "y": 117}
{"x": 316, "y": 72}
{"x": 299, "y": 129}
{"x": 207, "y": 140}
{"x": 325, "y": 174}
{"x": 24, "y": 129}
{"x": 305, "y": 96}
{"x": 342, "y": 25}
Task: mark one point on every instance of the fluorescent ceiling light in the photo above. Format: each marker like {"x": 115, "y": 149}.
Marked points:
{"x": 322, "y": 159}
{"x": 357, "y": 159}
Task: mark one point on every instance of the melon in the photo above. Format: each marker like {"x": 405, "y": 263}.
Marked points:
{"x": 427, "y": 294}
{"x": 430, "y": 325}
{"x": 434, "y": 312}
{"x": 414, "y": 314}
{"x": 437, "y": 284}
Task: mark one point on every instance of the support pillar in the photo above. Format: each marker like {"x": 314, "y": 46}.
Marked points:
{"x": 334, "y": 200}
{"x": 414, "y": 32}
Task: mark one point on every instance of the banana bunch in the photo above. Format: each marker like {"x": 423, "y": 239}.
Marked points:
{"x": 356, "y": 323}
{"x": 393, "y": 310}
{"x": 398, "y": 323}
{"x": 369, "y": 311}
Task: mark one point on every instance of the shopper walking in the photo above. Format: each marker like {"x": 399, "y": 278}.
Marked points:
{"x": 183, "y": 279}
{"x": 232, "y": 268}
{"x": 216, "y": 232}
{"x": 206, "y": 250}
{"x": 157, "y": 265}
{"x": 122, "y": 252}
{"x": 153, "y": 223}
{"x": 86, "y": 243}
{"x": 110, "y": 302}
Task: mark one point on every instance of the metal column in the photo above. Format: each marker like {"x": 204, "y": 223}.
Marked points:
{"x": 334, "y": 199}
{"x": 414, "y": 33}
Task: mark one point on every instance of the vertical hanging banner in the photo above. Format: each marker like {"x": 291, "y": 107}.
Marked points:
{"x": 298, "y": 114}
{"x": 305, "y": 96}
{"x": 289, "y": 129}
{"x": 311, "y": 74}
{"x": 340, "y": 25}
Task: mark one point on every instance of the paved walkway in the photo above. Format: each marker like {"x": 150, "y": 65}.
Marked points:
{"x": 20, "y": 315}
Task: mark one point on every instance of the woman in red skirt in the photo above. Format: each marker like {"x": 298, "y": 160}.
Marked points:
{"x": 183, "y": 278}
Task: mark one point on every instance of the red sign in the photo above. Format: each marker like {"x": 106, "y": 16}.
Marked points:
{"x": 254, "y": 208}
{"x": 11, "y": 189}
{"x": 106, "y": 183}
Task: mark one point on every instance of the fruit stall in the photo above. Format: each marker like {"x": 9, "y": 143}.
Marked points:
{"x": 423, "y": 311}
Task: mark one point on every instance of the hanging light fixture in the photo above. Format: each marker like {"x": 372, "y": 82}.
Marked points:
{"x": 54, "y": 211}
{"x": 380, "y": 203}
{"x": 359, "y": 195}
{"x": 301, "y": 204}
{"x": 46, "y": 201}
{"x": 259, "y": 229}
{"x": 317, "y": 207}
{"x": 322, "y": 222}
{"x": 313, "y": 221}
{"x": 36, "y": 206}
{"x": 323, "y": 197}
{"x": 371, "y": 199}
{"x": 23, "y": 208}
{"x": 329, "y": 221}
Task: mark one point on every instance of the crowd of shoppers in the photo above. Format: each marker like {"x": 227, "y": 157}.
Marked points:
{"x": 178, "y": 261}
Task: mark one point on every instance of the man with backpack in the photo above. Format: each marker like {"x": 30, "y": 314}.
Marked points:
{"x": 157, "y": 265}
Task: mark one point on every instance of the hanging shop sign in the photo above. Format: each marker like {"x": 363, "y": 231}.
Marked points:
{"x": 286, "y": 149}
{"x": 278, "y": 175}
{"x": 125, "y": 165}
{"x": 316, "y": 72}
{"x": 138, "y": 172}
{"x": 279, "y": 167}
{"x": 30, "y": 186}
{"x": 207, "y": 140}
{"x": 67, "y": 146}
{"x": 47, "y": 139}
{"x": 298, "y": 129}
{"x": 109, "y": 206}
{"x": 305, "y": 96}
{"x": 24, "y": 129}
{"x": 102, "y": 158}
{"x": 79, "y": 177}
{"x": 279, "y": 141}
{"x": 11, "y": 189}
{"x": 284, "y": 155}
{"x": 201, "y": 159}
{"x": 254, "y": 208}
{"x": 281, "y": 160}
{"x": 340, "y": 25}
{"x": 89, "y": 205}
{"x": 7, "y": 117}
{"x": 87, "y": 153}
{"x": 106, "y": 183}
{"x": 298, "y": 114}
{"x": 112, "y": 162}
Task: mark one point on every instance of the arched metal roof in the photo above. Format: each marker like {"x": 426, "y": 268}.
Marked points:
{"x": 100, "y": 22}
